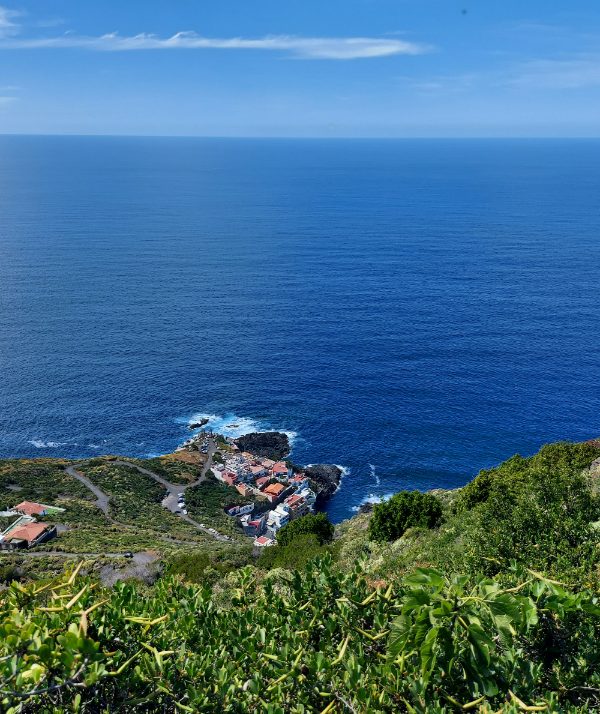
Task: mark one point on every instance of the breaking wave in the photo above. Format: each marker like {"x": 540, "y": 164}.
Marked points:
{"x": 345, "y": 471}
{"x": 232, "y": 425}
{"x": 39, "y": 444}
{"x": 372, "y": 498}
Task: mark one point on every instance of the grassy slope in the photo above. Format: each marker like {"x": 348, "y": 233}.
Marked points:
{"x": 136, "y": 519}
{"x": 535, "y": 511}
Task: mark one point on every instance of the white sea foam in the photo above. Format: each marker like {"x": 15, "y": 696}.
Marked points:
{"x": 101, "y": 445}
{"x": 291, "y": 435}
{"x": 375, "y": 475}
{"x": 232, "y": 425}
{"x": 39, "y": 444}
{"x": 345, "y": 471}
{"x": 373, "y": 499}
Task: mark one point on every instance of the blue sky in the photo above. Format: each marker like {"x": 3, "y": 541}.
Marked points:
{"x": 301, "y": 67}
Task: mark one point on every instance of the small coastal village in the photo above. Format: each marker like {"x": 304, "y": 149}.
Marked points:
{"x": 276, "y": 492}
{"x": 267, "y": 493}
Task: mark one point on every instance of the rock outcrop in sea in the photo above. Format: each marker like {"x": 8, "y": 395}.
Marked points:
{"x": 269, "y": 444}
{"x": 325, "y": 479}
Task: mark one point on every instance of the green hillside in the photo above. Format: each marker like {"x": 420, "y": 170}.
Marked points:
{"x": 483, "y": 599}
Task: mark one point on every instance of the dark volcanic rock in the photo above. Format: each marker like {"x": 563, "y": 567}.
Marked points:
{"x": 325, "y": 479}
{"x": 198, "y": 424}
{"x": 270, "y": 444}
{"x": 366, "y": 508}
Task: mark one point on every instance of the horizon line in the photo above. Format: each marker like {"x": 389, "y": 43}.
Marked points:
{"x": 302, "y": 138}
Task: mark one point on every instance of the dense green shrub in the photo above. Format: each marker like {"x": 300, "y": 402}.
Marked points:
{"x": 293, "y": 556}
{"x": 314, "y": 523}
{"x": 404, "y": 510}
{"x": 205, "y": 567}
{"x": 515, "y": 476}
{"x": 319, "y": 640}
{"x": 549, "y": 527}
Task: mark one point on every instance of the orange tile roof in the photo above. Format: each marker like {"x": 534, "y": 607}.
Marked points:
{"x": 30, "y": 508}
{"x": 274, "y": 489}
{"x": 29, "y": 532}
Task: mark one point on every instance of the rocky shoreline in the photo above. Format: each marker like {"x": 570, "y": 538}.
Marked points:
{"x": 324, "y": 478}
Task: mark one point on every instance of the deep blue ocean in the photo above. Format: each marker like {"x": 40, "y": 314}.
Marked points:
{"x": 412, "y": 310}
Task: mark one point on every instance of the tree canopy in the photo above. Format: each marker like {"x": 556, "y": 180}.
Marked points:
{"x": 404, "y": 510}
{"x": 315, "y": 523}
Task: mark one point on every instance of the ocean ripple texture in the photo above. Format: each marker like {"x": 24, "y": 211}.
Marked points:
{"x": 412, "y": 310}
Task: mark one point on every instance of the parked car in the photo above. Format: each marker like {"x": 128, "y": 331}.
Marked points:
{"x": 128, "y": 554}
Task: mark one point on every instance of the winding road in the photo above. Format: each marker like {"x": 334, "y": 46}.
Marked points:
{"x": 101, "y": 498}
{"x": 170, "y": 501}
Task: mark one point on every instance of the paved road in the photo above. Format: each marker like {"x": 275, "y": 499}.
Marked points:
{"x": 170, "y": 501}
{"x": 102, "y": 499}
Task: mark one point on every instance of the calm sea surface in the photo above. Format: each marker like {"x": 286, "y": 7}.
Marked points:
{"x": 412, "y": 310}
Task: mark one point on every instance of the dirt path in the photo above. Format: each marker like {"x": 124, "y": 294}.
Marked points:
{"x": 102, "y": 499}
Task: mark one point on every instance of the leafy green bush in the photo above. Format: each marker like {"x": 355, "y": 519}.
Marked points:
{"x": 404, "y": 510}
{"x": 515, "y": 476}
{"x": 476, "y": 641}
{"x": 314, "y": 523}
{"x": 293, "y": 556}
{"x": 549, "y": 527}
{"x": 313, "y": 641}
{"x": 204, "y": 567}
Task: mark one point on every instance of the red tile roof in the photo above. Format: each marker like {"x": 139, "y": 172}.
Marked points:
{"x": 274, "y": 489}
{"x": 30, "y": 508}
{"x": 28, "y": 532}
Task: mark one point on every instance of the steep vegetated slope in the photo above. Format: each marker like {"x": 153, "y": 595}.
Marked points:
{"x": 484, "y": 599}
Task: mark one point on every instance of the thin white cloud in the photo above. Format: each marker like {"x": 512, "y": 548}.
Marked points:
{"x": 331, "y": 48}
{"x": 576, "y": 72}
{"x": 8, "y": 26}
